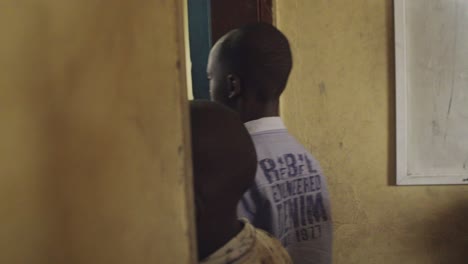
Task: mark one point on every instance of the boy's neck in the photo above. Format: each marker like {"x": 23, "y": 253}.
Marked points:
{"x": 215, "y": 232}
{"x": 256, "y": 111}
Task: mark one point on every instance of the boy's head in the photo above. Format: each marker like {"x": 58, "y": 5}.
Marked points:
{"x": 224, "y": 158}
{"x": 251, "y": 63}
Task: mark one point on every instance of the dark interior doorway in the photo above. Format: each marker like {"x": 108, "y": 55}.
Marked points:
{"x": 208, "y": 21}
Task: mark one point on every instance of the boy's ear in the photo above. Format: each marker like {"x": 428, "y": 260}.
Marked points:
{"x": 234, "y": 86}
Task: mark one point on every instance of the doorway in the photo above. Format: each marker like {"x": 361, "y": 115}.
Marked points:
{"x": 208, "y": 21}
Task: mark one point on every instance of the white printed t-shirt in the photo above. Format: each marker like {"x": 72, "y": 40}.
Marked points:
{"x": 289, "y": 198}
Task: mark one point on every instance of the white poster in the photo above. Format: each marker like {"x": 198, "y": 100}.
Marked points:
{"x": 432, "y": 91}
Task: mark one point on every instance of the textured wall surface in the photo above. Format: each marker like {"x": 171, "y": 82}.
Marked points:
{"x": 340, "y": 104}
{"x": 92, "y": 136}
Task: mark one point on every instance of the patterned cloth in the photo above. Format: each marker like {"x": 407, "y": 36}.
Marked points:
{"x": 250, "y": 246}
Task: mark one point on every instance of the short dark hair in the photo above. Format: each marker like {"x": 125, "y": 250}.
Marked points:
{"x": 260, "y": 54}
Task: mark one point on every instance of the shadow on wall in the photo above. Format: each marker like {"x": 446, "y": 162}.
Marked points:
{"x": 448, "y": 241}
{"x": 391, "y": 122}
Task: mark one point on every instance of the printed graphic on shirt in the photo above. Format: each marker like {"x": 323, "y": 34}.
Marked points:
{"x": 296, "y": 193}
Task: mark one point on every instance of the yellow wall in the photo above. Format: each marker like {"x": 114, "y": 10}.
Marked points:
{"x": 93, "y": 146}
{"x": 340, "y": 103}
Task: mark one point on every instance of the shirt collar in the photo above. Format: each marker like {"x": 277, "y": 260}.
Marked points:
{"x": 265, "y": 124}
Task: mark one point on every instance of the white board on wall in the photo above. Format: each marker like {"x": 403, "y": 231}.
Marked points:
{"x": 431, "y": 43}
